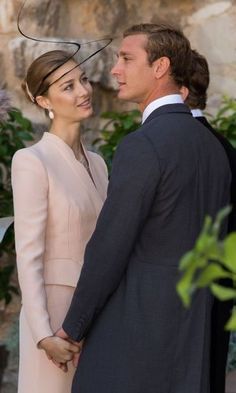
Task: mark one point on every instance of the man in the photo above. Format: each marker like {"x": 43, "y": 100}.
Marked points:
{"x": 195, "y": 94}
{"x": 164, "y": 180}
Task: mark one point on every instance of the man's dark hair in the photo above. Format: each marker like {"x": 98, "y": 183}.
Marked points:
{"x": 198, "y": 82}
{"x": 166, "y": 41}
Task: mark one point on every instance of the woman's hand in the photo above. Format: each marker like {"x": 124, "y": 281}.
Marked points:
{"x": 59, "y": 350}
{"x": 62, "y": 334}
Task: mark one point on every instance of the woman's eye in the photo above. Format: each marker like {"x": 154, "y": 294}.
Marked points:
{"x": 85, "y": 79}
{"x": 69, "y": 87}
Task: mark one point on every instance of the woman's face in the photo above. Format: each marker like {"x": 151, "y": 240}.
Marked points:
{"x": 70, "y": 96}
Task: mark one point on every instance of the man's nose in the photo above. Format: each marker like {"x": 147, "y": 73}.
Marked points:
{"x": 115, "y": 69}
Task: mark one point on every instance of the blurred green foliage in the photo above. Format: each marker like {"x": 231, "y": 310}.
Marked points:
{"x": 15, "y": 131}
{"x": 210, "y": 259}
{"x": 117, "y": 126}
{"x": 225, "y": 119}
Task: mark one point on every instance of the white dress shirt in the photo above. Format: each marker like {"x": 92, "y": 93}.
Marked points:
{"x": 170, "y": 99}
{"x": 196, "y": 112}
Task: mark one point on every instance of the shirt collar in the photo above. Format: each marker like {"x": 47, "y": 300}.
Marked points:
{"x": 170, "y": 99}
{"x": 196, "y": 112}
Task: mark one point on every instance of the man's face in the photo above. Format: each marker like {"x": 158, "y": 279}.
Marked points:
{"x": 135, "y": 77}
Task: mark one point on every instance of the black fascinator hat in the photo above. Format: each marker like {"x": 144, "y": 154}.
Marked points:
{"x": 105, "y": 41}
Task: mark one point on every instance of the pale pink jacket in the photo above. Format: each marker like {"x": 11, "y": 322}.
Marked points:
{"x": 56, "y": 205}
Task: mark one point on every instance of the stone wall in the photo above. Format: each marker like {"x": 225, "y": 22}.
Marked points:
{"x": 210, "y": 26}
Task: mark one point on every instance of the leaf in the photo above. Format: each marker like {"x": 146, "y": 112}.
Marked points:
{"x": 231, "y": 323}
{"x": 212, "y": 272}
{"x": 225, "y": 119}
{"x": 187, "y": 260}
{"x": 206, "y": 227}
{"x": 207, "y": 246}
{"x": 229, "y": 258}
{"x": 25, "y": 136}
{"x": 223, "y": 293}
{"x": 185, "y": 288}
{"x": 220, "y": 217}
{"x": 118, "y": 126}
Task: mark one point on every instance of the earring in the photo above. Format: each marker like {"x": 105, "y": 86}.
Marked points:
{"x": 50, "y": 114}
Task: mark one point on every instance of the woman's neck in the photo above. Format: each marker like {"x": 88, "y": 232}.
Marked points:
{"x": 70, "y": 134}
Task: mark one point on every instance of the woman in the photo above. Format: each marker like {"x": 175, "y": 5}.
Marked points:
{"x": 58, "y": 188}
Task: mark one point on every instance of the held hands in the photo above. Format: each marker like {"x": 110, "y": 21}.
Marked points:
{"x": 62, "y": 334}
{"x": 61, "y": 350}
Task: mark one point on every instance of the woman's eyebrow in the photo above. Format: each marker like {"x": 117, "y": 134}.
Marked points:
{"x": 68, "y": 81}
{"x": 72, "y": 79}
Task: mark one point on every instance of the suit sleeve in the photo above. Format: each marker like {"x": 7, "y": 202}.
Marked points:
{"x": 30, "y": 196}
{"x": 132, "y": 188}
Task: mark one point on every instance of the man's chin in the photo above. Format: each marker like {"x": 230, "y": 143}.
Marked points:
{"x": 122, "y": 96}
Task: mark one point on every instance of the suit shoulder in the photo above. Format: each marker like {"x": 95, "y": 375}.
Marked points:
{"x": 137, "y": 145}
{"x": 136, "y": 151}
{"x": 137, "y": 137}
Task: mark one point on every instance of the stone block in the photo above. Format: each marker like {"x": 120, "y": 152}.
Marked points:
{"x": 8, "y": 12}
{"x": 24, "y": 51}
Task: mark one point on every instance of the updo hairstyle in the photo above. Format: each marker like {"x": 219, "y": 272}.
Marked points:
{"x": 37, "y": 79}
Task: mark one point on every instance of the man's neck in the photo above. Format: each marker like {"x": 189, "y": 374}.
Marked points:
{"x": 166, "y": 100}
{"x": 160, "y": 90}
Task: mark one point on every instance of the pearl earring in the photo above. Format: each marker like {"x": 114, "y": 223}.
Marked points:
{"x": 50, "y": 114}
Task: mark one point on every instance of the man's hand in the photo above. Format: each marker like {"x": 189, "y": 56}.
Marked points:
{"x": 76, "y": 357}
{"x": 60, "y": 351}
{"x": 62, "y": 334}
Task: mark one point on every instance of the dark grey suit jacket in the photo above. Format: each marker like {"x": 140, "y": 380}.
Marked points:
{"x": 231, "y": 154}
{"x": 166, "y": 177}
{"x": 221, "y": 311}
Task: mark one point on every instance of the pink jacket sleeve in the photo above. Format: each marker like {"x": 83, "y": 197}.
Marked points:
{"x": 30, "y": 188}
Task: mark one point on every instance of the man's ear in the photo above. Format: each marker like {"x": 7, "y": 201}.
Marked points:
{"x": 43, "y": 102}
{"x": 161, "y": 66}
{"x": 184, "y": 91}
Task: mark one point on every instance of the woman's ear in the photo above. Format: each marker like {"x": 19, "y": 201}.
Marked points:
{"x": 43, "y": 102}
{"x": 161, "y": 66}
{"x": 184, "y": 91}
